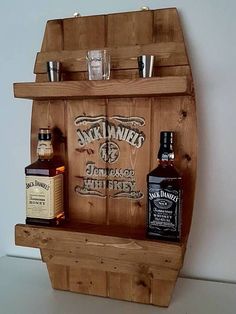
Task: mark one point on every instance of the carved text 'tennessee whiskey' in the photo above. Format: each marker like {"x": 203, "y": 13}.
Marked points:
{"x": 164, "y": 194}
{"x": 44, "y": 185}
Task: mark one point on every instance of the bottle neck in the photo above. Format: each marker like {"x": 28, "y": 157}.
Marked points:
{"x": 44, "y": 150}
{"x": 166, "y": 163}
{"x": 166, "y": 151}
{"x": 166, "y": 154}
{"x": 166, "y": 159}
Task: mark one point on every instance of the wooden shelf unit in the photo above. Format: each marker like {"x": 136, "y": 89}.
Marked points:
{"x": 103, "y": 250}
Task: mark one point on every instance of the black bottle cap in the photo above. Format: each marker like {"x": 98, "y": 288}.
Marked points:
{"x": 166, "y": 137}
{"x": 166, "y": 145}
{"x": 44, "y": 134}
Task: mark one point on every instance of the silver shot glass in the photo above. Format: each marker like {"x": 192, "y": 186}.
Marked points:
{"x": 145, "y": 65}
{"x": 54, "y": 71}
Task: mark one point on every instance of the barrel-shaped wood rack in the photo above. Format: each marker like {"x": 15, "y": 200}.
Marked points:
{"x": 102, "y": 249}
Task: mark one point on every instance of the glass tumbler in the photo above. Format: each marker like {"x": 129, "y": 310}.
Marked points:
{"x": 98, "y": 64}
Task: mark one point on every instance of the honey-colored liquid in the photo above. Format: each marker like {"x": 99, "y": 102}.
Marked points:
{"x": 46, "y": 168}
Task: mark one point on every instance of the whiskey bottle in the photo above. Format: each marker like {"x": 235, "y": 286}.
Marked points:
{"x": 44, "y": 185}
{"x": 164, "y": 188}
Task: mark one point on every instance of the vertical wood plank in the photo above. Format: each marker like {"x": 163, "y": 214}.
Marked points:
{"x": 53, "y": 36}
{"x": 59, "y": 276}
{"x": 141, "y": 289}
{"x": 87, "y": 190}
{"x": 120, "y": 286}
{"x": 167, "y": 26}
{"x": 88, "y": 281}
{"x": 127, "y": 192}
{"x": 131, "y": 28}
{"x": 128, "y": 287}
{"x": 161, "y": 292}
{"x": 84, "y": 32}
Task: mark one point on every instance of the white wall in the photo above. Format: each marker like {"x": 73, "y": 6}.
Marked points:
{"x": 209, "y": 27}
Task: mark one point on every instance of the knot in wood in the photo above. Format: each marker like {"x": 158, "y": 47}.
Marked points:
{"x": 187, "y": 157}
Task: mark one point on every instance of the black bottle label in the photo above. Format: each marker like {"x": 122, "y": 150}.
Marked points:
{"x": 164, "y": 210}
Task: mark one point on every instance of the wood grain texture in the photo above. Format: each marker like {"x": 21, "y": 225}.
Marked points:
{"x": 54, "y": 29}
{"x": 162, "y": 291}
{"x": 169, "y": 255}
{"x": 59, "y": 276}
{"x": 84, "y": 32}
{"x": 84, "y": 208}
{"x": 120, "y": 286}
{"x": 131, "y": 209}
{"x": 87, "y": 281}
{"x": 110, "y": 264}
{"x": 129, "y": 287}
{"x": 125, "y": 29}
{"x": 167, "y": 26}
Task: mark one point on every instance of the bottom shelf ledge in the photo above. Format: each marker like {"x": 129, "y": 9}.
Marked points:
{"x": 106, "y": 261}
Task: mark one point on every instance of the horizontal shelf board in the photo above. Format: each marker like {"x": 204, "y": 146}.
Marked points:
{"x": 171, "y": 85}
{"x": 166, "y": 54}
{"x": 78, "y": 242}
{"x": 101, "y": 263}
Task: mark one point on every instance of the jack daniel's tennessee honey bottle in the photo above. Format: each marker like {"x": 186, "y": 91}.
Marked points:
{"x": 44, "y": 185}
{"x": 164, "y": 188}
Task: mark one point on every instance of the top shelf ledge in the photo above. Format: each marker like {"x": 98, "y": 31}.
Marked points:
{"x": 154, "y": 86}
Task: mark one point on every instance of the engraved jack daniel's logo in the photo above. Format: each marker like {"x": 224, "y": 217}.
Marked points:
{"x": 109, "y": 131}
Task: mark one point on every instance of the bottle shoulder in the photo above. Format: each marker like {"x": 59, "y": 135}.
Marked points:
{"x": 45, "y": 167}
{"x": 166, "y": 177}
{"x": 165, "y": 171}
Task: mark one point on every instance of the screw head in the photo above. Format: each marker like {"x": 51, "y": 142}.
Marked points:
{"x": 76, "y": 14}
{"x": 144, "y": 8}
